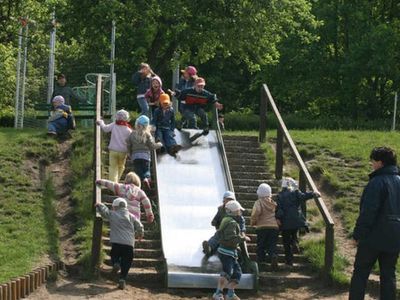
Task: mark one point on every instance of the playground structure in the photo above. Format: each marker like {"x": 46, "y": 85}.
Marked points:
{"x": 186, "y": 202}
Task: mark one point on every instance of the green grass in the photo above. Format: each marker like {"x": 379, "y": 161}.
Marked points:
{"x": 24, "y": 232}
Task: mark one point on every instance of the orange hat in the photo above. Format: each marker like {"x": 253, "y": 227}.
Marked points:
{"x": 164, "y": 100}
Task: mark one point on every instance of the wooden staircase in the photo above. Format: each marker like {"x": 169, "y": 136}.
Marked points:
{"x": 248, "y": 166}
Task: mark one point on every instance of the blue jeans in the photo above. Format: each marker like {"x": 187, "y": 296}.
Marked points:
{"x": 366, "y": 258}
{"x": 213, "y": 243}
{"x": 59, "y": 126}
{"x": 144, "y": 106}
{"x": 191, "y": 111}
{"x": 231, "y": 269}
{"x": 142, "y": 168}
{"x": 166, "y": 137}
{"x": 266, "y": 242}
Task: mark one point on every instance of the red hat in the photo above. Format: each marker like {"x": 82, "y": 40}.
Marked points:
{"x": 192, "y": 71}
{"x": 200, "y": 81}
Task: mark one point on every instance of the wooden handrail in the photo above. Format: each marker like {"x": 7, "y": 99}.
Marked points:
{"x": 305, "y": 177}
{"x": 98, "y": 222}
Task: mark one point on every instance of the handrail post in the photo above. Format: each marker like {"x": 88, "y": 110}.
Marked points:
{"x": 329, "y": 248}
{"x": 279, "y": 154}
{"x": 262, "y": 137}
{"x": 98, "y": 222}
{"x": 303, "y": 188}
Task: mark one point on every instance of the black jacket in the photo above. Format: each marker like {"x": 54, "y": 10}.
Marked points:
{"x": 288, "y": 209}
{"x": 378, "y": 224}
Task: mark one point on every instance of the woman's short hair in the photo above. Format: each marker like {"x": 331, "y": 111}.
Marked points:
{"x": 384, "y": 154}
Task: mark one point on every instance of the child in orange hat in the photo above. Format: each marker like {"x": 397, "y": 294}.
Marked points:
{"x": 164, "y": 121}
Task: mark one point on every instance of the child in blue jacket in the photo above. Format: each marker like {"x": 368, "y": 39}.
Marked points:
{"x": 61, "y": 118}
{"x": 290, "y": 216}
{"x": 164, "y": 121}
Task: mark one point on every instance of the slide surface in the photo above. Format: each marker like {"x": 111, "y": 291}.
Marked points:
{"x": 190, "y": 189}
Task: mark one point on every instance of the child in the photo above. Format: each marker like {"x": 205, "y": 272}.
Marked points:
{"x": 140, "y": 142}
{"x": 131, "y": 191}
{"x": 195, "y": 101}
{"x": 164, "y": 121}
{"x": 152, "y": 95}
{"x": 122, "y": 236}
{"x": 221, "y": 121}
{"x": 120, "y": 131}
{"x": 263, "y": 218}
{"x": 211, "y": 246}
{"x": 289, "y": 215}
{"x": 61, "y": 118}
{"x": 230, "y": 237}
{"x": 142, "y": 79}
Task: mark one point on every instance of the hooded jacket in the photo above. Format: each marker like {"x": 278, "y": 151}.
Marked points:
{"x": 263, "y": 214}
{"x": 153, "y": 96}
{"x": 378, "y": 224}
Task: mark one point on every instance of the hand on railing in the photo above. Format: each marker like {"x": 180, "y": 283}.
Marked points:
{"x": 150, "y": 219}
{"x": 218, "y": 105}
{"x": 140, "y": 237}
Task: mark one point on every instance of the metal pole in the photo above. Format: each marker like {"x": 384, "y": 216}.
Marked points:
{"x": 394, "y": 112}
{"x": 18, "y": 77}
{"x": 112, "y": 75}
{"x": 21, "y": 116}
{"x": 50, "y": 86}
{"x": 175, "y": 80}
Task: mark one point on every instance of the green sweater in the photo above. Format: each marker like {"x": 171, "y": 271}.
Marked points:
{"x": 229, "y": 233}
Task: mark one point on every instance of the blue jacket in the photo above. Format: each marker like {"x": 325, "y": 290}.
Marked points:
{"x": 164, "y": 119}
{"x": 183, "y": 84}
{"x": 288, "y": 209}
{"x": 142, "y": 84}
{"x": 378, "y": 224}
{"x": 190, "y": 97}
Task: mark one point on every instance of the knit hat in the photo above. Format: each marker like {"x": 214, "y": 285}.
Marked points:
{"x": 229, "y": 195}
{"x": 58, "y": 99}
{"x": 200, "y": 81}
{"x": 120, "y": 203}
{"x": 233, "y": 206}
{"x": 122, "y": 115}
{"x": 164, "y": 100}
{"x": 289, "y": 183}
{"x": 264, "y": 190}
{"x": 190, "y": 70}
{"x": 158, "y": 79}
{"x": 142, "y": 120}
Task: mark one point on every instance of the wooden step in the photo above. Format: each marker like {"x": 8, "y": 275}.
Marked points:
{"x": 251, "y": 182}
{"x": 252, "y": 175}
{"x": 234, "y": 167}
{"x": 237, "y": 155}
{"x": 157, "y": 263}
{"x": 140, "y": 252}
{"x": 242, "y": 138}
{"x": 148, "y": 277}
{"x": 238, "y": 148}
{"x": 144, "y": 244}
{"x": 248, "y": 162}
{"x": 286, "y": 279}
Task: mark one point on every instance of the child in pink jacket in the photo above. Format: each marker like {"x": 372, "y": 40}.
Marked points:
{"x": 130, "y": 190}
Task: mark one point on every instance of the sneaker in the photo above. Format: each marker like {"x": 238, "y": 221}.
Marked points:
{"x": 51, "y": 133}
{"x": 116, "y": 267}
{"x": 233, "y": 297}
{"x": 147, "y": 183}
{"x": 205, "y": 131}
{"x": 121, "y": 284}
{"x": 206, "y": 248}
{"x": 218, "y": 296}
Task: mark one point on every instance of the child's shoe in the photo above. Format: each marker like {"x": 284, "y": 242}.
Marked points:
{"x": 218, "y": 296}
{"x": 51, "y": 133}
{"x": 121, "y": 284}
{"x": 233, "y": 297}
{"x": 115, "y": 269}
{"x": 206, "y": 248}
{"x": 147, "y": 183}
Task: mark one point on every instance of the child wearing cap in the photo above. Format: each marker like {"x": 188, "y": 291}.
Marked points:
{"x": 61, "y": 118}
{"x": 120, "y": 131}
{"x": 142, "y": 80}
{"x": 263, "y": 218}
{"x": 164, "y": 121}
{"x": 230, "y": 237}
{"x": 195, "y": 101}
{"x": 123, "y": 226}
{"x": 152, "y": 95}
{"x": 131, "y": 191}
{"x": 140, "y": 143}
{"x": 211, "y": 246}
{"x": 289, "y": 215}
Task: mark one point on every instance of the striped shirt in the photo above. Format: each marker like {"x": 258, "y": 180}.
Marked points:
{"x": 133, "y": 195}
{"x": 228, "y": 252}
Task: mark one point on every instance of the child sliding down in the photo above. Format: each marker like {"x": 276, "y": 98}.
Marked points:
{"x": 164, "y": 121}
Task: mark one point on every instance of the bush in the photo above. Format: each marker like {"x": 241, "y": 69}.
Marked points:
{"x": 7, "y": 117}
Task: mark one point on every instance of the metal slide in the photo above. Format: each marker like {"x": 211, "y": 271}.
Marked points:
{"x": 190, "y": 189}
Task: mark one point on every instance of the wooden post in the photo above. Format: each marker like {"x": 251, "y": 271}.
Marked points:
{"x": 13, "y": 290}
{"x": 27, "y": 285}
{"x": 18, "y": 283}
{"x": 329, "y": 248}
{"x": 96, "y": 243}
{"x": 279, "y": 154}
{"x": 303, "y": 188}
{"x": 22, "y": 289}
{"x": 31, "y": 282}
{"x": 262, "y": 137}
{"x": 1, "y": 292}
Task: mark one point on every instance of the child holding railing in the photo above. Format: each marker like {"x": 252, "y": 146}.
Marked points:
{"x": 120, "y": 131}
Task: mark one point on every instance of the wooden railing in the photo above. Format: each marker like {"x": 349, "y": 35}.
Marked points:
{"x": 305, "y": 178}
{"x": 98, "y": 222}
